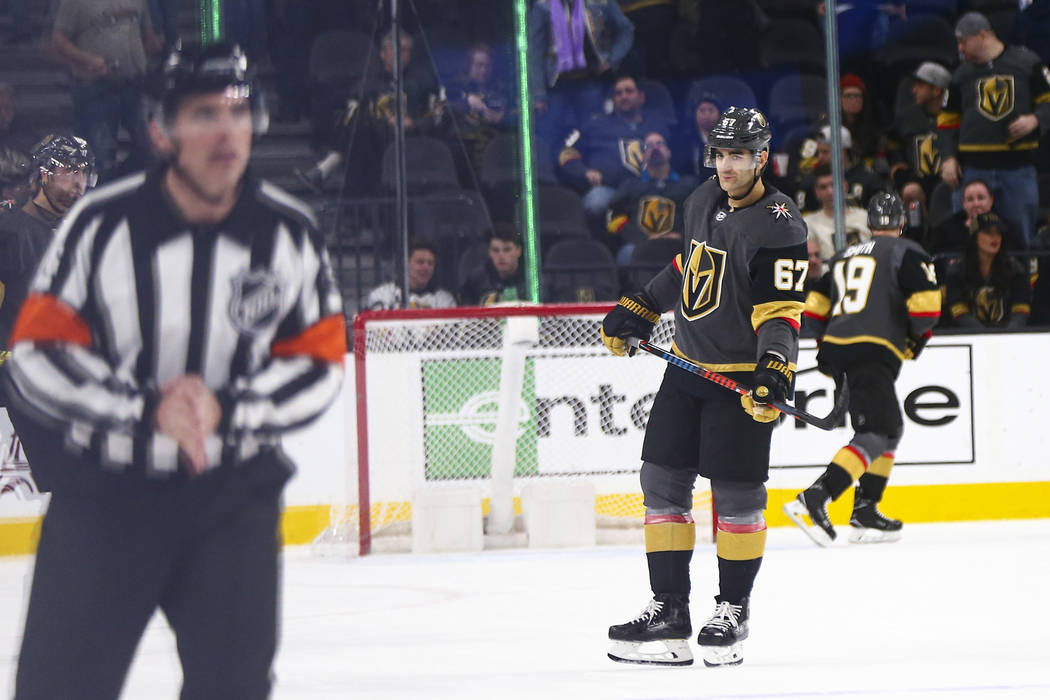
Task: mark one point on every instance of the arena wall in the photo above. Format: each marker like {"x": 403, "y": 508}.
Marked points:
{"x": 975, "y": 443}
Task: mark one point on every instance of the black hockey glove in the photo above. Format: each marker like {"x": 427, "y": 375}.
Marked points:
{"x": 914, "y": 345}
{"x": 633, "y": 317}
{"x": 772, "y": 379}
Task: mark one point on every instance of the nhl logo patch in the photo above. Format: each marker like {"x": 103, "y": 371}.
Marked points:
{"x": 720, "y": 216}
{"x": 256, "y": 301}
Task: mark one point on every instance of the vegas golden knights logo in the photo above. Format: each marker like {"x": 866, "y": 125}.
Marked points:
{"x": 631, "y": 155}
{"x": 995, "y": 96}
{"x": 927, "y": 155}
{"x": 702, "y": 282}
{"x": 989, "y": 304}
{"x": 656, "y": 215}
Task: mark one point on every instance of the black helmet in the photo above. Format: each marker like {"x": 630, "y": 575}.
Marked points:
{"x": 885, "y": 212}
{"x": 213, "y": 68}
{"x": 65, "y": 151}
{"x": 738, "y": 127}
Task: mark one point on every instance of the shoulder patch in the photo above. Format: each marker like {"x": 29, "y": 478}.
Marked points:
{"x": 778, "y": 210}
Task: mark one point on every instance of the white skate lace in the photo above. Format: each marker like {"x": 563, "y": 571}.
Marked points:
{"x": 726, "y": 616}
{"x": 650, "y": 611}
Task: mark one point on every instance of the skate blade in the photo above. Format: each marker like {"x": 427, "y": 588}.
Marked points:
{"x": 867, "y": 535}
{"x": 798, "y": 514}
{"x": 732, "y": 655}
{"x": 666, "y": 652}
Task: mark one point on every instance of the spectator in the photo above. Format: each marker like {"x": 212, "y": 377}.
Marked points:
{"x": 954, "y": 234}
{"x": 365, "y": 130}
{"x": 911, "y": 143}
{"x": 105, "y": 46}
{"x": 480, "y": 103}
{"x": 652, "y": 205}
{"x": 822, "y": 223}
{"x": 987, "y": 288}
{"x": 700, "y": 118}
{"x": 989, "y": 128}
{"x": 608, "y": 149}
{"x": 861, "y": 181}
{"x": 574, "y": 46}
{"x": 858, "y": 115}
{"x": 423, "y": 292}
{"x": 502, "y": 276}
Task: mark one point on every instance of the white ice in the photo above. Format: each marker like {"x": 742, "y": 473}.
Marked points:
{"x": 956, "y": 610}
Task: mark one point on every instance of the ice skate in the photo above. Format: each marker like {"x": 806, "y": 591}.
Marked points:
{"x": 812, "y": 504}
{"x": 869, "y": 526}
{"x": 659, "y": 635}
{"x": 721, "y": 638}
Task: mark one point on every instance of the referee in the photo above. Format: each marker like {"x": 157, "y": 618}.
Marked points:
{"x": 182, "y": 320}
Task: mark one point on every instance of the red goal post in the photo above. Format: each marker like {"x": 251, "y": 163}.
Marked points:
{"x": 496, "y": 397}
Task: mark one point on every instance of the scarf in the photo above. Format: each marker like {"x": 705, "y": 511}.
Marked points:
{"x": 568, "y": 40}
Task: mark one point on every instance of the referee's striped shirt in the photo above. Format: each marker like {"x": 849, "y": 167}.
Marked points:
{"x": 129, "y": 297}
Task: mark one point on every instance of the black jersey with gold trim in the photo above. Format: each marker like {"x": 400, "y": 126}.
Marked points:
{"x": 736, "y": 288}
{"x": 983, "y": 100}
{"x": 874, "y": 296}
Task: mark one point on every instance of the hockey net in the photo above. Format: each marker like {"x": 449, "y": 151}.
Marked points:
{"x": 496, "y": 397}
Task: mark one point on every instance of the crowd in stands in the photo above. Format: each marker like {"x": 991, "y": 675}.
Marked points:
{"x": 622, "y": 94}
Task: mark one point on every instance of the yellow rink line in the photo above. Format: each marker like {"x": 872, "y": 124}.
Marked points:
{"x": 912, "y": 504}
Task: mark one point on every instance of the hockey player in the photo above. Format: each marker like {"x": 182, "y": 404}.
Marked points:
{"x": 736, "y": 291}
{"x": 875, "y": 307}
{"x": 182, "y": 320}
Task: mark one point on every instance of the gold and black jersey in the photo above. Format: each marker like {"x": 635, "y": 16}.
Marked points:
{"x": 737, "y": 286}
{"x": 874, "y": 296}
{"x": 983, "y": 100}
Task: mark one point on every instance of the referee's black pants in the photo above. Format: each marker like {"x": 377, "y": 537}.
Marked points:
{"x": 204, "y": 551}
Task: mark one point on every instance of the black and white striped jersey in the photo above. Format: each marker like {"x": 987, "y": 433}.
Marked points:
{"x": 129, "y": 297}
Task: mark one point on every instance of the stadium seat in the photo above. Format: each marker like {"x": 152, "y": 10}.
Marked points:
{"x": 792, "y": 43}
{"x": 918, "y": 39}
{"x": 339, "y": 56}
{"x": 500, "y": 166}
{"x": 797, "y": 98}
{"x": 777, "y": 9}
{"x": 732, "y": 91}
{"x": 658, "y": 100}
{"x": 453, "y": 221}
{"x": 1002, "y": 22}
{"x": 649, "y": 257}
{"x": 560, "y": 213}
{"x": 988, "y": 6}
{"x": 579, "y": 270}
{"x": 472, "y": 257}
{"x": 940, "y": 206}
{"x": 948, "y": 9}
{"x": 428, "y": 166}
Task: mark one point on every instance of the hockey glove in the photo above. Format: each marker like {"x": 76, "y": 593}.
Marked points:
{"x": 914, "y": 345}
{"x": 633, "y": 317}
{"x": 772, "y": 379}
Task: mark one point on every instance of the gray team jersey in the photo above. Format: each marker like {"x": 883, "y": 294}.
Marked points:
{"x": 876, "y": 293}
{"x": 736, "y": 288}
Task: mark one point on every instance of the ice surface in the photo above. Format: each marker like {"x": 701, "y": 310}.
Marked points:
{"x": 952, "y": 611}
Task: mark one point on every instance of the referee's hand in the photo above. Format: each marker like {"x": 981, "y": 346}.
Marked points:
{"x": 188, "y": 413}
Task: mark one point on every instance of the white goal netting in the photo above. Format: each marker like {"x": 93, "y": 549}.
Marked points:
{"x": 496, "y": 398}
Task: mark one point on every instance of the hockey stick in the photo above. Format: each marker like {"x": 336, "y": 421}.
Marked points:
{"x": 828, "y": 422}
